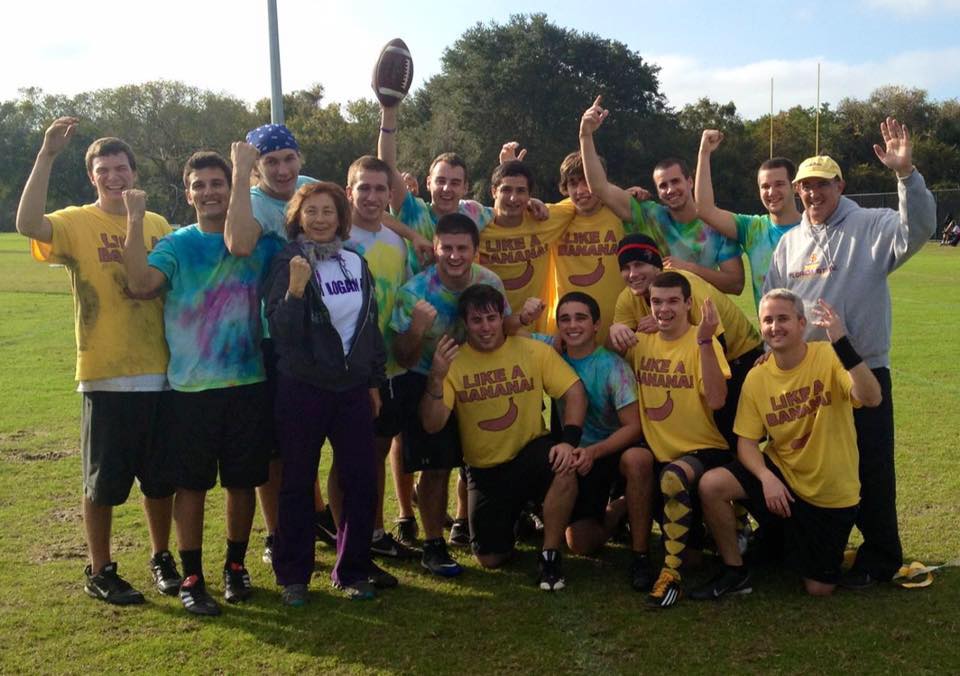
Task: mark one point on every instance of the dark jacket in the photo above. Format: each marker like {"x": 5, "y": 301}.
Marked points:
{"x": 308, "y": 345}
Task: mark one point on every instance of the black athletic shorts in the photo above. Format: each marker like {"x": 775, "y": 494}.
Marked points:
{"x": 119, "y": 442}
{"x": 223, "y": 431}
{"x": 496, "y": 495}
{"x": 594, "y": 489}
{"x": 422, "y": 451}
{"x": 814, "y": 538}
{"x": 390, "y": 421}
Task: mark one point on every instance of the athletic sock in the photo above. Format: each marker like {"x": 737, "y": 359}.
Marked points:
{"x": 192, "y": 562}
{"x": 236, "y": 552}
{"x": 677, "y": 516}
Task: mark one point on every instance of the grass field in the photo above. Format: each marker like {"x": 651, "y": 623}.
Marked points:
{"x": 484, "y": 622}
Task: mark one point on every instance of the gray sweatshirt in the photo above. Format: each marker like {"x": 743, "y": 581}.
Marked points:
{"x": 847, "y": 260}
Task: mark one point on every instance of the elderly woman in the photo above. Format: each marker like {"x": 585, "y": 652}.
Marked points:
{"x": 323, "y": 318}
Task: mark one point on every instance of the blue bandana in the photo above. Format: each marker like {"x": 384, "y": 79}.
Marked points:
{"x": 270, "y": 137}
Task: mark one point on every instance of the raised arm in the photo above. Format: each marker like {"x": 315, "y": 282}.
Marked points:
{"x": 866, "y": 387}
{"x": 407, "y": 345}
{"x": 434, "y": 411}
{"x": 387, "y": 151}
{"x": 614, "y": 197}
{"x": 719, "y": 219}
{"x": 241, "y": 231}
{"x": 714, "y": 383}
{"x": 30, "y": 219}
{"x": 727, "y": 277}
{"x": 142, "y": 279}
{"x": 422, "y": 246}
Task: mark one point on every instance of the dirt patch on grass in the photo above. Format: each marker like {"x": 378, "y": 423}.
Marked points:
{"x": 13, "y": 446}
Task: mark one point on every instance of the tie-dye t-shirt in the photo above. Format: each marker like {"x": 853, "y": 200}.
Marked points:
{"x": 417, "y": 214}
{"x": 428, "y": 286}
{"x": 610, "y": 385}
{"x": 386, "y": 255}
{"x": 212, "y": 308}
{"x": 695, "y": 241}
{"x": 758, "y": 235}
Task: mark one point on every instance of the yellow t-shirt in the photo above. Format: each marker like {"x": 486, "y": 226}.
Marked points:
{"x": 739, "y": 334}
{"x": 808, "y": 414}
{"x": 673, "y": 411}
{"x": 117, "y": 335}
{"x": 498, "y": 396}
{"x": 519, "y": 255}
{"x": 585, "y": 259}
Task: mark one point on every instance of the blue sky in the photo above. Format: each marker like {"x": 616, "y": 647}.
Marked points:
{"x": 725, "y": 50}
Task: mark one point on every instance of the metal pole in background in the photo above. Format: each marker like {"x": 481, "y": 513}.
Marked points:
{"x": 276, "y": 91}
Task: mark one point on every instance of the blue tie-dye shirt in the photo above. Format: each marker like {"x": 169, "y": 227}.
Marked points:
{"x": 610, "y": 385}
{"x": 212, "y": 308}
{"x": 759, "y": 235}
{"x": 695, "y": 241}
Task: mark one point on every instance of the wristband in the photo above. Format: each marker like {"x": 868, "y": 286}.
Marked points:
{"x": 387, "y": 131}
{"x": 571, "y": 435}
{"x": 848, "y": 356}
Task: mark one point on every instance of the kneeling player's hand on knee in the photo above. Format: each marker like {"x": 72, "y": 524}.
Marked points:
{"x": 584, "y": 460}
{"x": 562, "y": 458}
{"x": 777, "y": 495}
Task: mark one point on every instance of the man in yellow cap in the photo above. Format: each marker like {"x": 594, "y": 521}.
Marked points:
{"x": 842, "y": 253}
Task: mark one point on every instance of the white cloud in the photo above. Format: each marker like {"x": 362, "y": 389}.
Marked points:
{"x": 684, "y": 79}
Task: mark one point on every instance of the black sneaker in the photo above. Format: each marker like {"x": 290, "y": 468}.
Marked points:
{"x": 551, "y": 571}
{"x": 641, "y": 573}
{"x": 407, "y": 531}
{"x": 387, "y": 546}
{"x": 460, "y": 533}
{"x": 666, "y": 590}
{"x": 236, "y": 583}
{"x": 165, "y": 575}
{"x": 194, "y": 597}
{"x": 437, "y": 560}
{"x": 324, "y": 527}
{"x": 267, "y": 556}
{"x": 727, "y": 581}
{"x": 380, "y": 578}
{"x": 857, "y": 580}
{"x": 110, "y": 587}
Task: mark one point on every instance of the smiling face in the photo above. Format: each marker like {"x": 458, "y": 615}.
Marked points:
{"x": 781, "y": 325}
{"x": 638, "y": 276}
{"x": 576, "y": 325}
{"x": 369, "y": 196}
{"x": 208, "y": 191}
{"x": 484, "y": 328}
{"x": 584, "y": 200}
{"x": 455, "y": 254}
{"x": 318, "y": 218}
{"x": 820, "y": 197}
{"x": 510, "y": 198}
{"x": 447, "y": 185}
{"x": 670, "y": 310}
{"x": 776, "y": 192}
{"x": 674, "y": 189}
{"x": 110, "y": 176}
{"x": 278, "y": 172}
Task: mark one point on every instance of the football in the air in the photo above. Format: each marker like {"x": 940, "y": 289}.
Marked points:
{"x": 393, "y": 73}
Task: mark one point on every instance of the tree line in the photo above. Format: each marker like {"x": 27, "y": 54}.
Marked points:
{"x": 526, "y": 79}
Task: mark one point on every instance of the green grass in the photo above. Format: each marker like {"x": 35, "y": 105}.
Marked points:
{"x": 484, "y": 622}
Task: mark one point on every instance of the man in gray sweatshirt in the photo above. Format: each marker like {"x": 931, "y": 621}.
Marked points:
{"x": 843, "y": 253}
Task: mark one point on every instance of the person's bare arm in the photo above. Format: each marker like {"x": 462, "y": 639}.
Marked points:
{"x": 714, "y": 383}
{"x": 630, "y": 431}
{"x": 614, "y": 197}
{"x": 775, "y": 493}
{"x": 433, "y": 411}
{"x": 719, "y": 219}
{"x": 407, "y": 345}
{"x": 142, "y": 279}
{"x": 387, "y": 151}
{"x": 421, "y": 245}
{"x": 728, "y": 277}
{"x": 519, "y": 322}
{"x": 241, "y": 231}
{"x": 31, "y": 221}
{"x": 866, "y": 387}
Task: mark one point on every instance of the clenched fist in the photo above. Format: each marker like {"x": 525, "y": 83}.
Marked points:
{"x": 422, "y": 317}
{"x": 136, "y": 203}
{"x": 299, "y": 276}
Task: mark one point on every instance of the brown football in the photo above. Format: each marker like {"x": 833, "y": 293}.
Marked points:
{"x": 393, "y": 73}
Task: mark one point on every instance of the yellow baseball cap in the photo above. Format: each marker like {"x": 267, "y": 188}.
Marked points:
{"x": 818, "y": 166}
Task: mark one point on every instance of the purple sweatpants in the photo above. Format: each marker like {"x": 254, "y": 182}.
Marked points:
{"x": 306, "y": 416}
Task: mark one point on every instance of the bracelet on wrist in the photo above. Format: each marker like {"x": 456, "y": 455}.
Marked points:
{"x": 846, "y": 352}
{"x": 385, "y": 130}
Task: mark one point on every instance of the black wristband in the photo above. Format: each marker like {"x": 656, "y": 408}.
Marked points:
{"x": 848, "y": 356}
{"x": 571, "y": 435}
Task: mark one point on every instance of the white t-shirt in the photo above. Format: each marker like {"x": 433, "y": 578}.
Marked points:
{"x": 342, "y": 293}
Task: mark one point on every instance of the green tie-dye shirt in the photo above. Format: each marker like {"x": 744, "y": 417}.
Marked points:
{"x": 695, "y": 241}
{"x": 758, "y": 235}
{"x": 418, "y": 215}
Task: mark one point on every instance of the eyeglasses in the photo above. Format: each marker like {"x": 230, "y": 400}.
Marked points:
{"x": 814, "y": 186}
